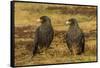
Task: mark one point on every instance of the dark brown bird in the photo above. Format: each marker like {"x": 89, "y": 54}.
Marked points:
{"x": 75, "y": 37}
{"x": 43, "y": 35}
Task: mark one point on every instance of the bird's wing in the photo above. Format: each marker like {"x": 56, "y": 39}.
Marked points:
{"x": 51, "y": 33}
{"x": 68, "y": 39}
{"x": 35, "y": 43}
{"x": 83, "y": 42}
{"x": 36, "y": 36}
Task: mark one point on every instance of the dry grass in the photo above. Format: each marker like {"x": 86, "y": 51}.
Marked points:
{"x": 25, "y": 26}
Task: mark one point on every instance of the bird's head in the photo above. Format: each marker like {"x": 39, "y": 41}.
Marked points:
{"x": 44, "y": 19}
{"x": 71, "y": 22}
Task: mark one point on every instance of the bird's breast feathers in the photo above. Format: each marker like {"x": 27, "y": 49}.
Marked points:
{"x": 73, "y": 34}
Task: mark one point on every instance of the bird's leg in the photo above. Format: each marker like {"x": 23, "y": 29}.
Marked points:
{"x": 74, "y": 52}
{"x": 70, "y": 49}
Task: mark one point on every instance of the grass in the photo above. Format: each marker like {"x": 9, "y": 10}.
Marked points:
{"x": 25, "y": 26}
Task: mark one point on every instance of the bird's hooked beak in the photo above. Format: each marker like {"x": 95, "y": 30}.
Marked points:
{"x": 67, "y": 22}
{"x": 39, "y": 20}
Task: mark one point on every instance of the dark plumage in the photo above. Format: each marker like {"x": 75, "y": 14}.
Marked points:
{"x": 43, "y": 35}
{"x": 75, "y": 37}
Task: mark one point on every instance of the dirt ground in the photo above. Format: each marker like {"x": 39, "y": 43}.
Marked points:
{"x": 25, "y": 26}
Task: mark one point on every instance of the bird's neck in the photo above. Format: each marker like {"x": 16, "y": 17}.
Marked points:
{"x": 73, "y": 26}
{"x": 47, "y": 22}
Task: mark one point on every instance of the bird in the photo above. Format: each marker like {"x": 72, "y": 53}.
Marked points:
{"x": 75, "y": 37}
{"x": 43, "y": 35}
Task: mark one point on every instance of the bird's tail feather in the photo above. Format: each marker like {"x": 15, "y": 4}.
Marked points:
{"x": 35, "y": 49}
